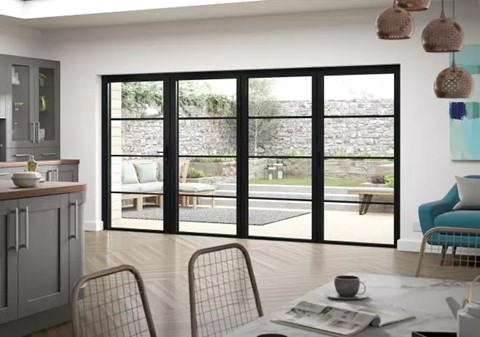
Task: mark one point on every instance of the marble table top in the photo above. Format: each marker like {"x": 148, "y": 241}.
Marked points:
{"x": 424, "y": 298}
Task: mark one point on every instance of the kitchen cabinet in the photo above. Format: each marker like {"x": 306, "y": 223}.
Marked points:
{"x": 41, "y": 257}
{"x": 32, "y": 107}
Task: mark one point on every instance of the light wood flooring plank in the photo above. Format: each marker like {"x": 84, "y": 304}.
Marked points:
{"x": 284, "y": 270}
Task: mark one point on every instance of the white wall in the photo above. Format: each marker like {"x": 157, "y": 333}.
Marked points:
{"x": 300, "y": 40}
{"x": 20, "y": 41}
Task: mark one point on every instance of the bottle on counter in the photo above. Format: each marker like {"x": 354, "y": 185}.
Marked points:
{"x": 32, "y": 164}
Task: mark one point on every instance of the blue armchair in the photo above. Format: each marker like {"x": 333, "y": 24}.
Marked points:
{"x": 441, "y": 214}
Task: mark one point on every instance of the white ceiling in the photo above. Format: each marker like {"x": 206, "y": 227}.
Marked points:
{"x": 52, "y": 14}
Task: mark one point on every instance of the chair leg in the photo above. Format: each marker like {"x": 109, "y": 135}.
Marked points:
{"x": 138, "y": 203}
{"x": 444, "y": 254}
{"x": 213, "y": 202}
{"x": 194, "y": 202}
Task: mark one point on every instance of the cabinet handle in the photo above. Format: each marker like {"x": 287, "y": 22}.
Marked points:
{"x": 75, "y": 222}
{"x": 32, "y": 131}
{"x": 38, "y": 132}
{"x": 18, "y": 155}
{"x": 27, "y": 229}
{"x": 16, "y": 229}
{"x": 47, "y": 154}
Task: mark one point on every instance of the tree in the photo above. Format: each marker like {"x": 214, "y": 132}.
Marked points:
{"x": 262, "y": 103}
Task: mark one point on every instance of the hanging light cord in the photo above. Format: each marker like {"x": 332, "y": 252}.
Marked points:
{"x": 453, "y": 17}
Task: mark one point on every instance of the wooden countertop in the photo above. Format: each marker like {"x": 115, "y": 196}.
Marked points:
{"x": 40, "y": 162}
{"x": 9, "y": 191}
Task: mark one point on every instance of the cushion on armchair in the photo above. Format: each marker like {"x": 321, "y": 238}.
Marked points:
{"x": 460, "y": 218}
{"x": 469, "y": 193}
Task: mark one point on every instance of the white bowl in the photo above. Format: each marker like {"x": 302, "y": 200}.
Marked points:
{"x": 26, "y": 179}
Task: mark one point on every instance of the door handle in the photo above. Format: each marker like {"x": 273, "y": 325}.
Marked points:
{"x": 16, "y": 229}
{"x": 27, "y": 228}
{"x": 75, "y": 221}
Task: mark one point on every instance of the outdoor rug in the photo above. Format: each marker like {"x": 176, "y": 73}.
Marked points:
{"x": 214, "y": 215}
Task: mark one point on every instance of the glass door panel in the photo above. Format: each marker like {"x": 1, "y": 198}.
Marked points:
{"x": 207, "y": 143}
{"x": 359, "y": 129}
{"x": 280, "y": 151}
{"x": 46, "y": 104}
{"x": 137, "y": 162}
{"x": 21, "y": 115}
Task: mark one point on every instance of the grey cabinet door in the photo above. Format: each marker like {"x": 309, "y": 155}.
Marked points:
{"x": 19, "y": 102}
{"x": 47, "y": 153}
{"x": 8, "y": 262}
{"x": 47, "y": 103}
{"x": 43, "y": 256}
{"x": 68, "y": 172}
{"x": 32, "y": 102}
{"x": 76, "y": 236}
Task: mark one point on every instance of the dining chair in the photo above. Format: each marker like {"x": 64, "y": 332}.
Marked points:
{"x": 223, "y": 290}
{"x": 449, "y": 252}
{"x": 111, "y": 303}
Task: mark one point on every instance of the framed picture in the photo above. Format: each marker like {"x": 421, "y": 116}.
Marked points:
{"x": 465, "y": 113}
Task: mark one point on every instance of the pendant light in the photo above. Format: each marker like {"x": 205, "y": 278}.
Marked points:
{"x": 443, "y": 35}
{"x": 414, "y": 5}
{"x": 453, "y": 82}
{"x": 394, "y": 23}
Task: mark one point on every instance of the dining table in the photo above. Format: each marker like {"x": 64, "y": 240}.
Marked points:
{"x": 424, "y": 298}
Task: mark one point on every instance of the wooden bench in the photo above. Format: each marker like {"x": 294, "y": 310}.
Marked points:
{"x": 367, "y": 193}
{"x": 138, "y": 199}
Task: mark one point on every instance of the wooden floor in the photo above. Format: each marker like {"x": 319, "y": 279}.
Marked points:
{"x": 284, "y": 270}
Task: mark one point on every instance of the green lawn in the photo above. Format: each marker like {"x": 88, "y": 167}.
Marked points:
{"x": 307, "y": 182}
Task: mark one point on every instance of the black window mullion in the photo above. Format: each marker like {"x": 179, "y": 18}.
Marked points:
{"x": 106, "y": 152}
{"x": 170, "y": 152}
{"x": 242, "y": 157}
{"x": 318, "y": 106}
{"x": 396, "y": 162}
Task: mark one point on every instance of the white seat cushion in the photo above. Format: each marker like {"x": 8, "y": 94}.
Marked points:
{"x": 195, "y": 187}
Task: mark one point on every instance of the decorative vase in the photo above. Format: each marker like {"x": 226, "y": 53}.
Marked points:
{"x": 42, "y": 104}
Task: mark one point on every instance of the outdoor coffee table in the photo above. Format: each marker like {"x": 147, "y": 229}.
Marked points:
{"x": 424, "y": 298}
{"x": 367, "y": 193}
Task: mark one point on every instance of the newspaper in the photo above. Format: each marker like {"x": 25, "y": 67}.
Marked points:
{"x": 339, "y": 319}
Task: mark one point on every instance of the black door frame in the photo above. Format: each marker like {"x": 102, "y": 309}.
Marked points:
{"x": 170, "y": 87}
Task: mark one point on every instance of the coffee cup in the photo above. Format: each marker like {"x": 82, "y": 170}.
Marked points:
{"x": 348, "y": 286}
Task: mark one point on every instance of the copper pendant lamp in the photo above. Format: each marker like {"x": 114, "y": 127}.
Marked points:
{"x": 443, "y": 35}
{"x": 394, "y": 23}
{"x": 453, "y": 82}
{"x": 414, "y": 5}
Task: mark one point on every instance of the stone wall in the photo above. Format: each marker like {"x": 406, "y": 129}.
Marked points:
{"x": 282, "y": 137}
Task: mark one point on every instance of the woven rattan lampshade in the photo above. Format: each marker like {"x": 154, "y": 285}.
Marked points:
{"x": 414, "y": 5}
{"x": 453, "y": 82}
{"x": 394, "y": 23}
{"x": 443, "y": 35}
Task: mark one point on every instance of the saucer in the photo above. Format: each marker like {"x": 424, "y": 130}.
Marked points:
{"x": 337, "y": 297}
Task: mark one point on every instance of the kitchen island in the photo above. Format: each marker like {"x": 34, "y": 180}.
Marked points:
{"x": 41, "y": 254}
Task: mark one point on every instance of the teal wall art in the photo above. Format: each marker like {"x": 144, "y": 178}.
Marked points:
{"x": 465, "y": 113}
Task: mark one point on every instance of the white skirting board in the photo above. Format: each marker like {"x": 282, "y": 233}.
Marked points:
{"x": 93, "y": 226}
{"x": 409, "y": 245}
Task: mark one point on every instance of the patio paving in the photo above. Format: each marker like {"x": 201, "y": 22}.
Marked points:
{"x": 339, "y": 226}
